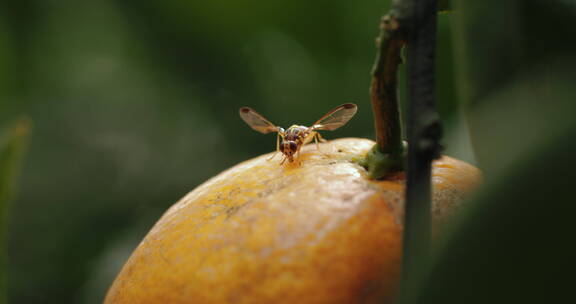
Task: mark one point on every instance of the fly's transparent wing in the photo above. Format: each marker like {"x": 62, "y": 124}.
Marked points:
{"x": 257, "y": 121}
{"x": 336, "y": 118}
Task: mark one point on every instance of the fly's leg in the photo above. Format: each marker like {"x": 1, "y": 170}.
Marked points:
{"x": 318, "y": 138}
{"x": 277, "y": 148}
{"x": 273, "y": 155}
{"x": 297, "y": 154}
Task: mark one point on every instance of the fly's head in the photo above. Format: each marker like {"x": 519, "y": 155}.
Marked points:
{"x": 291, "y": 141}
{"x": 288, "y": 148}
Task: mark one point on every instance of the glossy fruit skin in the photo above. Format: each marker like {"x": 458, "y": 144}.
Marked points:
{"x": 313, "y": 231}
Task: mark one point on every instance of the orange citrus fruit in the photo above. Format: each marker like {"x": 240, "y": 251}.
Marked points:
{"x": 314, "y": 231}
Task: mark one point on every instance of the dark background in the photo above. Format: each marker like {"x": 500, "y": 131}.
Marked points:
{"x": 134, "y": 104}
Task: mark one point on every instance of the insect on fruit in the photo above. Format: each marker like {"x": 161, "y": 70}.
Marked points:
{"x": 291, "y": 140}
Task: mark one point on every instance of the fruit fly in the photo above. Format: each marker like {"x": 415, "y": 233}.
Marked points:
{"x": 290, "y": 141}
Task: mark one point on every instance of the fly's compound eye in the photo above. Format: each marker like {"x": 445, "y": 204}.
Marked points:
{"x": 282, "y": 147}
{"x": 293, "y": 146}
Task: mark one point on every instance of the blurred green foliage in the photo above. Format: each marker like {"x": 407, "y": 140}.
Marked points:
{"x": 135, "y": 103}
{"x": 13, "y": 142}
{"x": 517, "y": 71}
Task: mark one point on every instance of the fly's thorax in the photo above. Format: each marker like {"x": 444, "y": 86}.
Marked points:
{"x": 296, "y": 133}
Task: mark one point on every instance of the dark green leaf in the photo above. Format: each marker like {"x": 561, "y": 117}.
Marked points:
{"x": 12, "y": 148}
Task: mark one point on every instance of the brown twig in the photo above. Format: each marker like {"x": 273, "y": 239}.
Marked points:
{"x": 387, "y": 156}
{"x": 411, "y": 23}
{"x": 384, "y": 86}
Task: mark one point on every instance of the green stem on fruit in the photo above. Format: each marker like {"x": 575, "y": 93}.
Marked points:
{"x": 411, "y": 23}
{"x": 387, "y": 156}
